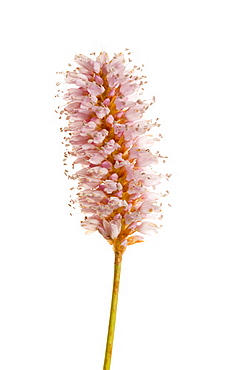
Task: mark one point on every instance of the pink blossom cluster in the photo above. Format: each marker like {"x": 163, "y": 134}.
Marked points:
{"x": 109, "y": 141}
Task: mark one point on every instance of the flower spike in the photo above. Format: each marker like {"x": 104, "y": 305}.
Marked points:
{"x": 110, "y": 142}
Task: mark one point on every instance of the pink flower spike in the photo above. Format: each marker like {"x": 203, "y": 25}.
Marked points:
{"x": 110, "y": 140}
{"x": 108, "y": 146}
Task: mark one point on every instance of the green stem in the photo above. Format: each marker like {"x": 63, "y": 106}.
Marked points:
{"x": 112, "y": 318}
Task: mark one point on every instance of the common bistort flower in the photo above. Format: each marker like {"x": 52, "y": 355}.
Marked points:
{"x": 110, "y": 143}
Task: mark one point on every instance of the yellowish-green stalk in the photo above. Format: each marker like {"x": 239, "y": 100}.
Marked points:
{"x": 113, "y": 311}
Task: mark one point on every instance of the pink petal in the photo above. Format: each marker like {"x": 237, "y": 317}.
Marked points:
{"x": 80, "y": 82}
{"x": 114, "y": 177}
{"x": 96, "y": 159}
{"x": 106, "y": 102}
{"x": 110, "y": 147}
{"x": 120, "y": 103}
{"x": 132, "y": 216}
{"x": 113, "y": 81}
{"x": 147, "y": 228}
{"x": 127, "y": 88}
{"x": 103, "y": 58}
{"x": 133, "y": 114}
{"x": 99, "y": 136}
{"x": 97, "y": 66}
{"x": 87, "y": 146}
{"x": 119, "y": 114}
{"x": 146, "y": 159}
{"x": 100, "y": 111}
{"x": 90, "y": 182}
{"x": 119, "y": 193}
{"x": 148, "y": 207}
{"x": 152, "y": 180}
{"x": 115, "y": 202}
{"x": 84, "y": 61}
{"x": 144, "y": 141}
{"x": 110, "y": 119}
{"x": 114, "y": 228}
{"x": 110, "y": 186}
{"x": 98, "y": 80}
{"x": 72, "y": 106}
{"x": 90, "y": 224}
{"x": 95, "y": 90}
{"x": 111, "y": 92}
{"x": 107, "y": 165}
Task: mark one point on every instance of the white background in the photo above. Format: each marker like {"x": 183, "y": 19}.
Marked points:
{"x": 182, "y": 297}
